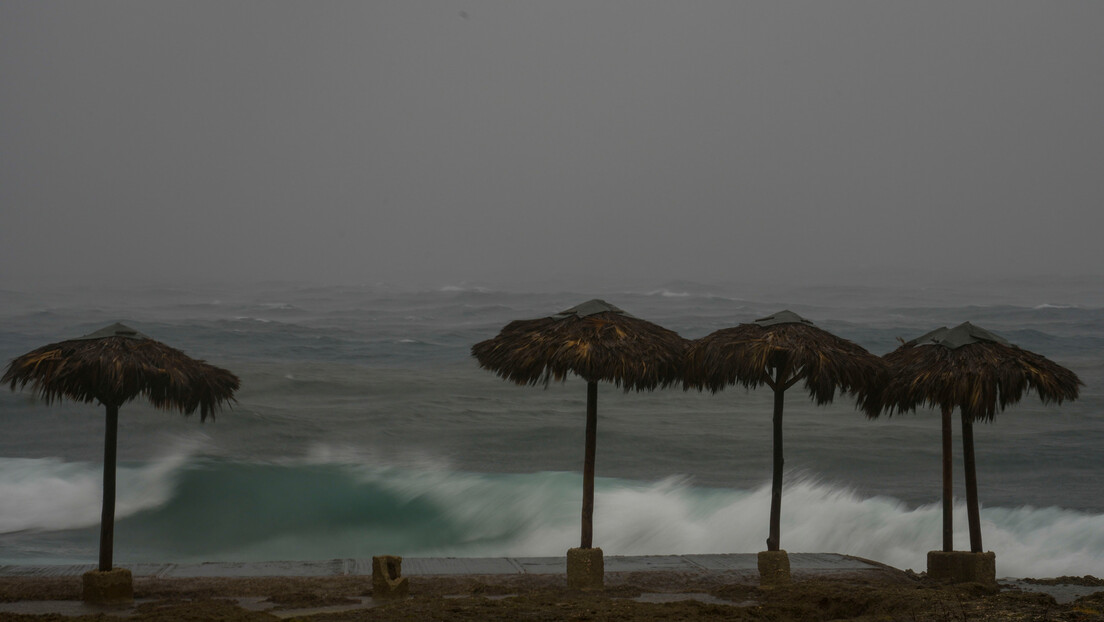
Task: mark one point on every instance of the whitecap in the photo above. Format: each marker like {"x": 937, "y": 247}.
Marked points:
{"x": 51, "y": 494}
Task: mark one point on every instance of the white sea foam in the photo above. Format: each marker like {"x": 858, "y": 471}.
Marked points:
{"x": 424, "y": 508}
{"x": 671, "y": 519}
{"x": 464, "y": 288}
{"x": 48, "y": 494}
{"x": 402, "y": 464}
{"x": 538, "y": 515}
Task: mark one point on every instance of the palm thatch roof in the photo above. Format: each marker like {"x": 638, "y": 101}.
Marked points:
{"x": 746, "y": 354}
{"x": 117, "y": 364}
{"x": 595, "y": 340}
{"x": 970, "y": 368}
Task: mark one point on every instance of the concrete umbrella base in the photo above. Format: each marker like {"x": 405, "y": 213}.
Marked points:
{"x": 963, "y": 567}
{"x": 774, "y": 568}
{"x": 585, "y": 569}
{"x": 110, "y": 587}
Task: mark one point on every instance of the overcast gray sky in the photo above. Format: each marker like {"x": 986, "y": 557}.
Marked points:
{"x": 488, "y": 141}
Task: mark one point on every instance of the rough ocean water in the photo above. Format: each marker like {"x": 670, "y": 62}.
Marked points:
{"x": 364, "y": 427}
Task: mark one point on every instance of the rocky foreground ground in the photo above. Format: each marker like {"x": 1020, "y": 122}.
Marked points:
{"x": 888, "y": 595}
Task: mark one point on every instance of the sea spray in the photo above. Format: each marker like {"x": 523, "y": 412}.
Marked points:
{"x": 201, "y": 509}
{"x": 1048, "y": 542}
{"x": 47, "y": 494}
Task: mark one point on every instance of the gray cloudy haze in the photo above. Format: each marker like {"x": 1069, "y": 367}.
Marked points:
{"x": 506, "y": 141}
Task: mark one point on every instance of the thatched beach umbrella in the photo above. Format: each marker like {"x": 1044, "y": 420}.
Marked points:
{"x": 597, "y": 342}
{"x": 778, "y": 351}
{"x": 976, "y": 371}
{"x": 113, "y": 366}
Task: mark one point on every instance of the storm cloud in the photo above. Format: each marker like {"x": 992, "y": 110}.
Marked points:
{"x": 437, "y": 142}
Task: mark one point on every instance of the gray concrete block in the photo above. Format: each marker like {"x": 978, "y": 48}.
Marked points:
{"x": 963, "y": 567}
{"x": 774, "y": 568}
{"x": 585, "y": 569}
{"x": 109, "y": 587}
{"x": 387, "y": 579}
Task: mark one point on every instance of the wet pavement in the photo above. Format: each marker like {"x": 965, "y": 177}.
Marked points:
{"x": 430, "y": 566}
{"x": 805, "y": 564}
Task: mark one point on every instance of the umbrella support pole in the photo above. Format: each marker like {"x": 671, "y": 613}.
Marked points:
{"x": 972, "y": 511}
{"x": 948, "y": 482}
{"x": 773, "y": 540}
{"x": 107, "y": 585}
{"x": 587, "y": 539}
{"x": 107, "y": 516}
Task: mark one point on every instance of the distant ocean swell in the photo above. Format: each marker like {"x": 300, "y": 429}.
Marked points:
{"x": 192, "y": 509}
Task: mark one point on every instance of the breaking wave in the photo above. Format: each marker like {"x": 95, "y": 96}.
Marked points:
{"x": 190, "y": 509}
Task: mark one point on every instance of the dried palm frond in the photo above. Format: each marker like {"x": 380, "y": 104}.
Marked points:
{"x": 117, "y": 368}
{"x": 980, "y": 375}
{"x": 596, "y": 341}
{"x": 747, "y": 354}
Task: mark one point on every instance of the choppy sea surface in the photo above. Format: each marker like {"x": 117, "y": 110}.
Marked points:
{"x": 364, "y": 427}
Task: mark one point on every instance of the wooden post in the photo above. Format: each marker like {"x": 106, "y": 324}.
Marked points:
{"x": 107, "y": 516}
{"x": 588, "y": 465}
{"x": 773, "y": 540}
{"x": 948, "y": 482}
{"x": 972, "y": 512}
